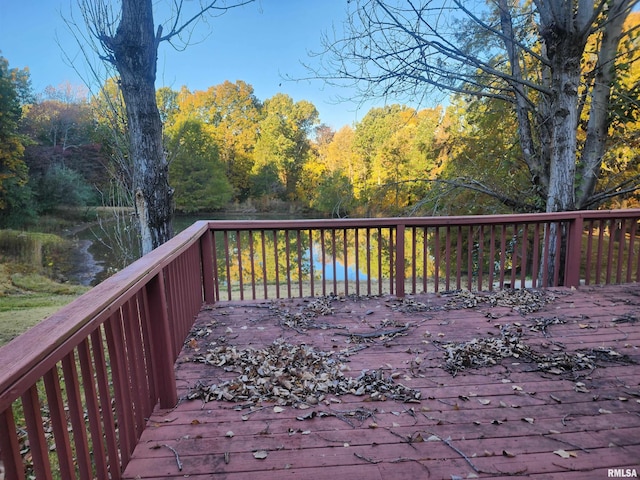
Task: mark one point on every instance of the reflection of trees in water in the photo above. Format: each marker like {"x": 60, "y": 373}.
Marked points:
{"x": 363, "y": 260}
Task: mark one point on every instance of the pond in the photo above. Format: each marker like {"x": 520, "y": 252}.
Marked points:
{"x": 103, "y": 249}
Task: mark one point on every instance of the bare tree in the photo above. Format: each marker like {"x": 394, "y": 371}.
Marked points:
{"x": 128, "y": 39}
{"x": 554, "y": 60}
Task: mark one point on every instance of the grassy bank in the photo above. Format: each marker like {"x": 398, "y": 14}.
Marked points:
{"x": 29, "y": 263}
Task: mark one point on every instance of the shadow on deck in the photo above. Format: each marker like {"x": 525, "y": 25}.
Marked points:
{"x": 455, "y": 385}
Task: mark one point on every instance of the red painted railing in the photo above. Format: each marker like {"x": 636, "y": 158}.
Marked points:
{"x": 76, "y": 389}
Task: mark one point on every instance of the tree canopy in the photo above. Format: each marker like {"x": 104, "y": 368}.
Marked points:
{"x": 558, "y": 64}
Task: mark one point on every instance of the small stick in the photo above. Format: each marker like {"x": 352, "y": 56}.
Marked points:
{"x": 366, "y": 459}
{"x": 178, "y": 462}
{"x": 565, "y": 442}
{"x": 380, "y": 333}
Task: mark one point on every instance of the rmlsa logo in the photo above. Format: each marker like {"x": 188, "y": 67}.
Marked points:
{"x": 622, "y": 473}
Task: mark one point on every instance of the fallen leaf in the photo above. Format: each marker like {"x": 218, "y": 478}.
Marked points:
{"x": 229, "y": 434}
{"x": 195, "y": 421}
{"x": 260, "y": 454}
{"x": 278, "y": 409}
{"x": 484, "y": 401}
{"x": 433, "y": 438}
{"x": 555, "y": 399}
{"x": 516, "y": 387}
{"x": 528, "y": 420}
{"x": 602, "y": 410}
{"x": 508, "y": 454}
{"x": 565, "y": 454}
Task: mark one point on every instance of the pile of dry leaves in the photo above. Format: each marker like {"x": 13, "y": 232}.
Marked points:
{"x": 291, "y": 375}
{"x": 520, "y": 300}
{"x": 487, "y": 351}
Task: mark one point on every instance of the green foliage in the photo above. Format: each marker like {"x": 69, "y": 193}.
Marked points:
{"x": 334, "y": 195}
{"x": 195, "y": 170}
{"x": 14, "y": 86}
{"x": 482, "y": 153}
{"x": 232, "y": 113}
{"x": 284, "y": 139}
{"x": 62, "y": 187}
{"x": 20, "y": 206}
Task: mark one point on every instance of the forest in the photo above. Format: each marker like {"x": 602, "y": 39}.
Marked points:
{"x": 227, "y": 149}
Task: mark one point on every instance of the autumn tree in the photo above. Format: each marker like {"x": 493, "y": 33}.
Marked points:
{"x": 395, "y": 148}
{"x": 232, "y": 112}
{"x": 283, "y": 144}
{"x": 15, "y": 197}
{"x": 128, "y": 39}
{"x": 195, "y": 169}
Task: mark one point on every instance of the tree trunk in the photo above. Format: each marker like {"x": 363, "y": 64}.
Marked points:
{"x": 564, "y": 33}
{"x": 598, "y": 124}
{"x": 135, "y": 48}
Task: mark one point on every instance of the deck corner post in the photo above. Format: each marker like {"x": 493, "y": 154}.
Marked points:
{"x": 574, "y": 252}
{"x": 206, "y": 256}
{"x": 161, "y": 338}
{"x": 400, "y": 260}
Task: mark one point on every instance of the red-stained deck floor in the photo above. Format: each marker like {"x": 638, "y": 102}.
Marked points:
{"x": 513, "y": 419}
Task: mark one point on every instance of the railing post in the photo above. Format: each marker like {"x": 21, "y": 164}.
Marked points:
{"x": 399, "y": 267}
{"x": 9, "y": 446}
{"x": 161, "y": 337}
{"x": 574, "y": 252}
{"x": 206, "y": 255}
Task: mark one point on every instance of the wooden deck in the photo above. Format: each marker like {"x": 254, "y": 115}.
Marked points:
{"x": 567, "y": 407}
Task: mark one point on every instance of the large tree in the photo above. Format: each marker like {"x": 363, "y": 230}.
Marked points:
{"x": 14, "y": 194}
{"x": 129, "y": 40}
{"x": 555, "y": 61}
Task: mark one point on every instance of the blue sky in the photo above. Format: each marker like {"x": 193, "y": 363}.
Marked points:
{"x": 259, "y": 43}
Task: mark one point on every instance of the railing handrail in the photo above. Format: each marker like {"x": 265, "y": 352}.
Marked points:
{"x": 433, "y": 221}
{"x": 20, "y": 359}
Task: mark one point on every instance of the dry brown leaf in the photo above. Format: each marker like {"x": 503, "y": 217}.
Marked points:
{"x": 260, "y": 454}
{"x": 565, "y": 454}
{"x": 508, "y": 454}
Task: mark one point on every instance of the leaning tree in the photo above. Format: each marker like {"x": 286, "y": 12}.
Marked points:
{"x": 128, "y": 39}
{"x": 557, "y": 62}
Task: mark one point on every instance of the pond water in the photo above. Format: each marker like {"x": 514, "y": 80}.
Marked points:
{"x": 106, "y": 248}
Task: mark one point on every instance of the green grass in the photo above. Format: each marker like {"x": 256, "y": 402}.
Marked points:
{"x": 28, "y": 298}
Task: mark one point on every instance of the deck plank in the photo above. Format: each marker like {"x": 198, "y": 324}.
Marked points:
{"x": 504, "y": 419}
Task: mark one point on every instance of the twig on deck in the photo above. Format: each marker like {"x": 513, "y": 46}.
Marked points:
{"x": 448, "y": 443}
{"x": 366, "y": 459}
{"x": 407, "y": 440}
{"x": 178, "y": 461}
{"x": 379, "y": 333}
{"x": 571, "y": 469}
{"x": 565, "y": 442}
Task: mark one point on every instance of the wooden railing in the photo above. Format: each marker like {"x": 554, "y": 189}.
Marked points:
{"x": 76, "y": 389}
